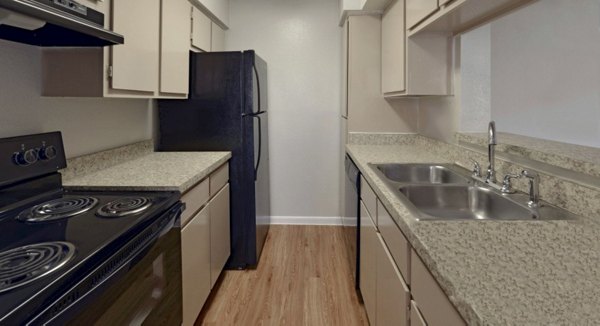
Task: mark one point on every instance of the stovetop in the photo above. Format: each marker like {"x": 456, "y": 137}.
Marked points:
{"x": 42, "y": 234}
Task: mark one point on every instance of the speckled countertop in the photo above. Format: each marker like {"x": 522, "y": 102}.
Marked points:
{"x": 499, "y": 272}
{"x": 158, "y": 171}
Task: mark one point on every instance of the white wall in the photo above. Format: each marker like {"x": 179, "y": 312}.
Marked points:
{"x": 475, "y": 71}
{"x": 300, "y": 40}
{"x": 536, "y": 72}
{"x": 88, "y": 125}
{"x": 546, "y": 71}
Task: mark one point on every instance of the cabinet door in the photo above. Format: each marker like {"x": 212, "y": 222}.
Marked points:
{"x": 195, "y": 265}
{"x": 417, "y": 10}
{"x": 135, "y": 63}
{"x": 201, "y": 30}
{"x": 174, "y": 50}
{"x": 393, "y": 295}
{"x": 218, "y": 38}
{"x": 392, "y": 48}
{"x": 220, "y": 246}
{"x": 368, "y": 263}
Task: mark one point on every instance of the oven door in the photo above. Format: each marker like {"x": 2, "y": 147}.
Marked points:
{"x": 139, "y": 285}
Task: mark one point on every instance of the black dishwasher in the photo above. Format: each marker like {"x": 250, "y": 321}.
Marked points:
{"x": 351, "y": 217}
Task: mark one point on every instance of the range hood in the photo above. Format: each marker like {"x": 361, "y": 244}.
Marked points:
{"x": 54, "y": 23}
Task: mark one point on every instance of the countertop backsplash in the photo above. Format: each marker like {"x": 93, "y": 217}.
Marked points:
{"x": 86, "y": 164}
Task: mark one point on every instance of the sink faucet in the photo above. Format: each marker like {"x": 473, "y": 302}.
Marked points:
{"x": 534, "y": 188}
{"x": 491, "y": 171}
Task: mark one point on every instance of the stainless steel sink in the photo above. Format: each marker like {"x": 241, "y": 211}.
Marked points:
{"x": 422, "y": 173}
{"x": 463, "y": 203}
{"x": 448, "y": 192}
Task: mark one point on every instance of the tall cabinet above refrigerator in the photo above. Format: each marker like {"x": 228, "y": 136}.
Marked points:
{"x": 227, "y": 111}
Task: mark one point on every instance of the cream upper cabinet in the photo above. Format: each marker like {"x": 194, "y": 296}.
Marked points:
{"x": 419, "y": 65}
{"x": 418, "y": 10}
{"x": 135, "y": 63}
{"x": 392, "y": 48}
{"x": 217, "y": 10}
{"x": 133, "y": 69}
{"x": 174, "y": 48}
{"x": 201, "y": 30}
{"x": 217, "y": 39}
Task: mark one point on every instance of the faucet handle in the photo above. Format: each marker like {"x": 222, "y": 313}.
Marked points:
{"x": 507, "y": 185}
{"x": 534, "y": 187}
{"x": 476, "y": 168}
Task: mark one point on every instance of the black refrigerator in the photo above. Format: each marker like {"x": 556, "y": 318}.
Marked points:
{"x": 227, "y": 111}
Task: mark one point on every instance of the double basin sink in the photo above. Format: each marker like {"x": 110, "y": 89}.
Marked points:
{"x": 448, "y": 192}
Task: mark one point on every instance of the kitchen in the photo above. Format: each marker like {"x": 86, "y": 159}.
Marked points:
{"x": 416, "y": 82}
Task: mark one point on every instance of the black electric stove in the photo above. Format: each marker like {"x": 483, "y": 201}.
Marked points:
{"x": 61, "y": 251}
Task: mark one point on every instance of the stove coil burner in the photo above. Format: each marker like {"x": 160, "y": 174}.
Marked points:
{"x": 125, "y": 206}
{"x": 23, "y": 265}
{"x": 58, "y": 209}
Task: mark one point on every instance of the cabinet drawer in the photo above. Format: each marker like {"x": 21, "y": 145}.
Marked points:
{"x": 194, "y": 199}
{"x": 195, "y": 265}
{"x": 433, "y": 303}
{"x": 415, "y": 315}
{"x": 395, "y": 241}
{"x": 393, "y": 295}
{"x": 220, "y": 244}
{"x": 418, "y": 10}
{"x": 219, "y": 178}
{"x": 369, "y": 198}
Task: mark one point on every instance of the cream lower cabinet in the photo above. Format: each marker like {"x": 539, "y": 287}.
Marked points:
{"x": 195, "y": 265}
{"x": 388, "y": 265}
{"x": 368, "y": 263}
{"x": 433, "y": 304}
{"x": 393, "y": 295}
{"x": 220, "y": 247}
{"x": 205, "y": 240}
{"x": 385, "y": 294}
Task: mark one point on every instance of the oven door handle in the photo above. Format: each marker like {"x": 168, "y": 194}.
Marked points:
{"x": 76, "y": 299}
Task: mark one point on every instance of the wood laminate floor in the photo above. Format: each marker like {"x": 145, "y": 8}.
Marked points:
{"x": 303, "y": 278}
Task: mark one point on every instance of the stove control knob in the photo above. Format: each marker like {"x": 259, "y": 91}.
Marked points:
{"x": 25, "y": 158}
{"x": 47, "y": 153}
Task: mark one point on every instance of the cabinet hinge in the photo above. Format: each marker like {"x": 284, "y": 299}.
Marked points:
{"x": 110, "y": 72}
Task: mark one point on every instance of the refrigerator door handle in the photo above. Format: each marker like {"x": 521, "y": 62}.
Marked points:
{"x": 257, "y": 116}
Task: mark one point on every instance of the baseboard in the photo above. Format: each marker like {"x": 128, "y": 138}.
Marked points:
{"x": 306, "y": 220}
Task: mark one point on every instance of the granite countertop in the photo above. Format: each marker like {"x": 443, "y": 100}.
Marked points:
{"x": 157, "y": 171}
{"x": 499, "y": 272}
